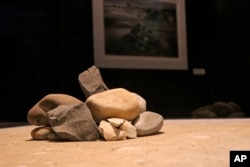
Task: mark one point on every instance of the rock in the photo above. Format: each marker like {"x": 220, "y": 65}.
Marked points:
{"x": 109, "y": 132}
{"x": 117, "y": 129}
{"x": 142, "y": 103}
{"x": 91, "y": 82}
{"x": 37, "y": 115}
{"x": 237, "y": 115}
{"x": 203, "y": 112}
{"x": 148, "y": 123}
{"x": 41, "y": 133}
{"x": 125, "y": 126}
{"x": 53, "y": 137}
{"x": 116, "y": 122}
{"x": 129, "y": 130}
{"x": 218, "y": 110}
{"x": 114, "y": 103}
{"x": 222, "y": 109}
{"x": 73, "y": 122}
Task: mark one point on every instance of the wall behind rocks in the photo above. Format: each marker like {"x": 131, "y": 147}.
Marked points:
{"x": 47, "y": 44}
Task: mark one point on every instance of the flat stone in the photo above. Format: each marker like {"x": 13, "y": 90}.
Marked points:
{"x": 37, "y": 115}
{"x": 114, "y": 103}
{"x": 148, "y": 123}
{"x": 73, "y": 122}
{"x": 91, "y": 81}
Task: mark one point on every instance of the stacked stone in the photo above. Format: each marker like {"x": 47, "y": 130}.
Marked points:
{"x": 109, "y": 114}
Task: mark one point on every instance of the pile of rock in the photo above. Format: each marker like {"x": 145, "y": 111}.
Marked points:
{"x": 109, "y": 114}
{"x": 219, "y": 109}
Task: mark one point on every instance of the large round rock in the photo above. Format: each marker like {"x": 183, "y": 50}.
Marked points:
{"x": 114, "y": 103}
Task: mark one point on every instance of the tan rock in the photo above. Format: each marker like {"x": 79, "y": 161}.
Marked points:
{"x": 37, "y": 115}
{"x": 129, "y": 130}
{"x": 116, "y": 122}
{"x": 53, "y": 137}
{"x": 114, "y": 103}
{"x": 109, "y": 132}
{"x": 41, "y": 133}
{"x": 142, "y": 103}
{"x": 117, "y": 129}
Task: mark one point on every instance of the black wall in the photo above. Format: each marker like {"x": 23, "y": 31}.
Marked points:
{"x": 47, "y": 44}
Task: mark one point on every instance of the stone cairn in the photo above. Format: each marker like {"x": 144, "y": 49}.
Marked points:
{"x": 107, "y": 114}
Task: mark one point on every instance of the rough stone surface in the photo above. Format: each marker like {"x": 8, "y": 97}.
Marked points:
{"x": 117, "y": 129}
{"x": 110, "y": 133}
{"x": 37, "y": 115}
{"x": 125, "y": 126}
{"x": 114, "y": 103}
{"x": 73, "y": 122}
{"x": 91, "y": 81}
{"x": 148, "y": 123}
{"x": 116, "y": 122}
{"x": 129, "y": 130}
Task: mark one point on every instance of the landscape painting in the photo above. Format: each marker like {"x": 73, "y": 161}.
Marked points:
{"x": 139, "y": 33}
{"x": 142, "y": 28}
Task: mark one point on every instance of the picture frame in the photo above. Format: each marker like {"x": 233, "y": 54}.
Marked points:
{"x": 140, "y": 34}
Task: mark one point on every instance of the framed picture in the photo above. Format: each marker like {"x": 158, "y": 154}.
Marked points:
{"x": 140, "y": 34}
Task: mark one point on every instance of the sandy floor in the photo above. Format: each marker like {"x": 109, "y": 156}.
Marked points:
{"x": 189, "y": 143}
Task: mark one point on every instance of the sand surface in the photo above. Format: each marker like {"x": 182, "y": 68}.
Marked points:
{"x": 180, "y": 143}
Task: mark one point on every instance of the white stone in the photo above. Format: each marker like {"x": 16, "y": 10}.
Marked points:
{"x": 129, "y": 130}
{"x": 116, "y": 122}
{"x": 110, "y": 133}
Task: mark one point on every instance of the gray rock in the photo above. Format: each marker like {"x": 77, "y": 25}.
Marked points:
{"x": 73, "y": 122}
{"x": 91, "y": 81}
{"x": 37, "y": 115}
{"x": 148, "y": 123}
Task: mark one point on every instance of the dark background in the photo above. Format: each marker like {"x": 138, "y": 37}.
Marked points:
{"x": 45, "y": 45}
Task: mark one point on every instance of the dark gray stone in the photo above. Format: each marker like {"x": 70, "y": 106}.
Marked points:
{"x": 91, "y": 81}
{"x": 73, "y": 122}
